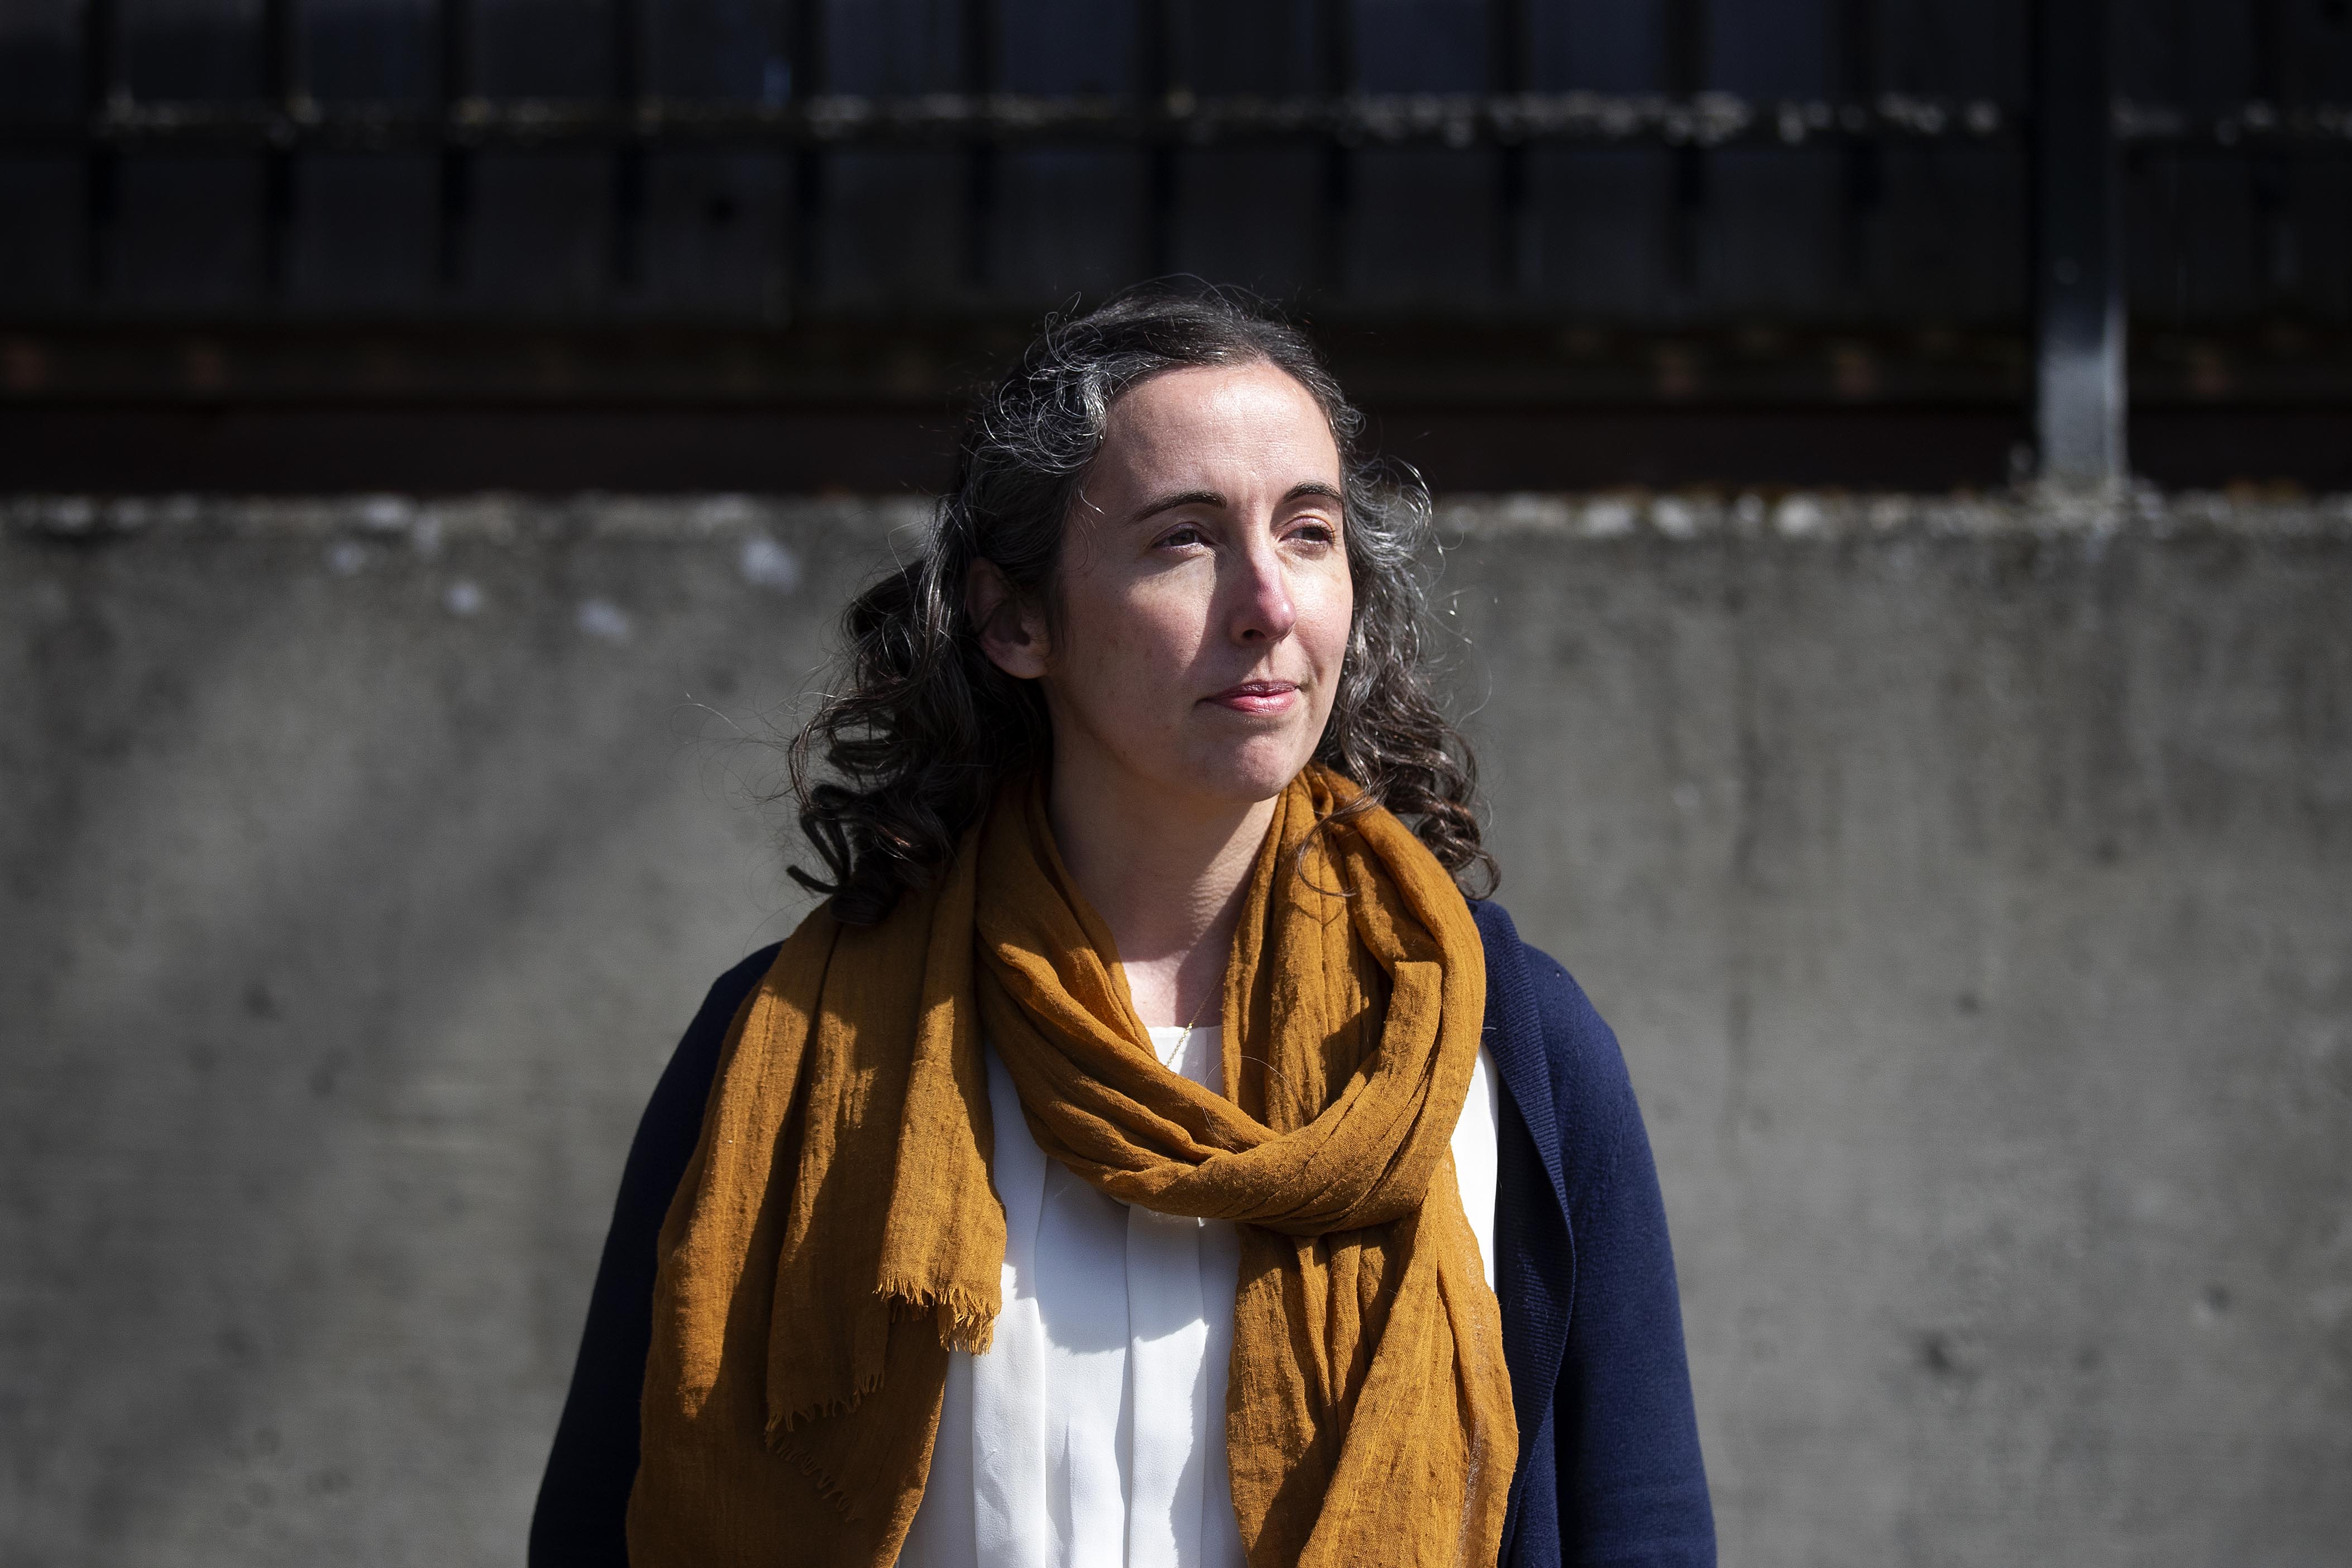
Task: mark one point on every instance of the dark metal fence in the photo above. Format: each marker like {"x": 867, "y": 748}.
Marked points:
{"x": 1956, "y": 172}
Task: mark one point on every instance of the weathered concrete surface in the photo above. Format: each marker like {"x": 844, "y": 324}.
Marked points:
{"x": 1971, "y": 886}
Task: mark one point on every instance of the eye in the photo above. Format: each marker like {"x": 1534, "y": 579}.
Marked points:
{"x": 1183, "y": 536}
{"x": 1315, "y": 531}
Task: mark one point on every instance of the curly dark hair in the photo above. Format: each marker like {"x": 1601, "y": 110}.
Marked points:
{"x": 906, "y": 749}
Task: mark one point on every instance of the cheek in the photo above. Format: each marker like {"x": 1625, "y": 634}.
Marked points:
{"x": 1326, "y": 611}
{"x": 1125, "y": 647}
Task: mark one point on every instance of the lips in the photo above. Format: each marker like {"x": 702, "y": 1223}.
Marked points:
{"x": 1258, "y": 697}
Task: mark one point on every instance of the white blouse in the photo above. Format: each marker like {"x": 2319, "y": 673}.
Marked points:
{"x": 1093, "y": 1430}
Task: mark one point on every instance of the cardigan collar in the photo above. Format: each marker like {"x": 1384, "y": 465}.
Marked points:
{"x": 1541, "y": 1266}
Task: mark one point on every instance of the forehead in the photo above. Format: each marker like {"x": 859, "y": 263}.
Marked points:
{"x": 1232, "y": 422}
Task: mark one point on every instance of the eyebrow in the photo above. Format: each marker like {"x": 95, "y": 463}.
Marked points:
{"x": 1214, "y": 498}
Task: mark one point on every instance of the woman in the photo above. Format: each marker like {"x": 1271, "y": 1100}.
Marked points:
{"x": 1146, "y": 1152}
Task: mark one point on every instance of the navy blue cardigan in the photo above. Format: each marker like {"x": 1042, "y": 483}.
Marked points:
{"x": 1608, "y": 1461}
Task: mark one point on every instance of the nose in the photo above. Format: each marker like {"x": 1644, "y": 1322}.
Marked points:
{"x": 1262, "y": 612}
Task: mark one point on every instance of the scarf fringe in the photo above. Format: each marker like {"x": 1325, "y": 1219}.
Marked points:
{"x": 967, "y": 1323}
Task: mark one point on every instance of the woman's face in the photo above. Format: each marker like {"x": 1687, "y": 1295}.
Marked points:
{"x": 1204, "y": 596}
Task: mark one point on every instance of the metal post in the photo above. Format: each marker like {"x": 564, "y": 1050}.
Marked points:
{"x": 1509, "y": 42}
{"x": 1864, "y": 164}
{"x": 980, "y": 25}
{"x": 1335, "y": 36}
{"x": 281, "y": 44}
{"x": 454, "y": 31}
{"x": 1155, "y": 80}
{"x": 2274, "y": 211}
{"x": 2078, "y": 273}
{"x": 629, "y": 96}
{"x": 104, "y": 91}
{"x": 808, "y": 78}
{"x": 1686, "y": 68}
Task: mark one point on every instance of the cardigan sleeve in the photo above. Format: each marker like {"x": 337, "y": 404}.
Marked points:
{"x": 1633, "y": 1485}
{"x": 581, "y": 1518}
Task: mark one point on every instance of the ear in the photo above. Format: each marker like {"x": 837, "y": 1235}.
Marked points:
{"x": 1012, "y": 633}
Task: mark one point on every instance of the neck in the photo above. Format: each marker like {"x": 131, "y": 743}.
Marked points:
{"x": 1167, "y": 874}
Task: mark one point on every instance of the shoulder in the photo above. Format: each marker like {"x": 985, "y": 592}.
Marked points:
{"x": 727, "y": 992}
{"x": 1539, "y": 1015}
{"x": 1531, "y": 993}
{"x": 677, "y": 1106}
{"x": 723, "y": 1001}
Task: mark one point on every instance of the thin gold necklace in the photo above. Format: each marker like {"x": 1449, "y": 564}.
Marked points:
{"x": 1203, "y": 1007}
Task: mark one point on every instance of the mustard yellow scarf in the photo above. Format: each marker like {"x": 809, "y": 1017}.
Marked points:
{"x": 836, "y": 1234}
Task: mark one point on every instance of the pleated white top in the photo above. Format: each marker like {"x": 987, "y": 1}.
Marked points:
{"x": 1093, "y": 1431}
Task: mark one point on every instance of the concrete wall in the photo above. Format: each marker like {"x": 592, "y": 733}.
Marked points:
{"x": 1970, "y": 884}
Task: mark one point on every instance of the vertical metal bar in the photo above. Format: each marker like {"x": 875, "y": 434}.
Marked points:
{"x": 2177, "y": 202}
{"x": 281, "y": 61}
{"x": 454, "y": 33}
{"x": 1336, "y": 64}
{"x": 1687, "y": 69}
{"x": 1155, "y": 81}
{"x": 1510, "y": 43}
{"x": 980, "y": 80}
{"x": 629, "y": 106}
{"x": 2274, "y": 226}
{"x": 104, "y": 91}
{"x": 1864, "y": 169}
{"x": 808, "y": 82}
{"x": 2078, "y": 275}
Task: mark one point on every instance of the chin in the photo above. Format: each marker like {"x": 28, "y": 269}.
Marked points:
{"x": 1258, "y": 769}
